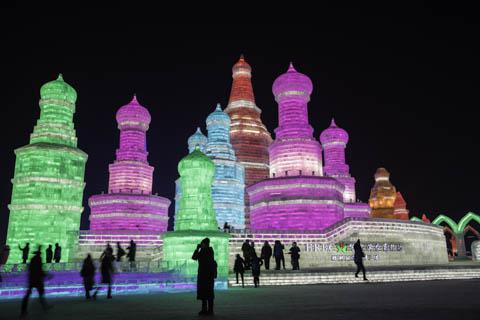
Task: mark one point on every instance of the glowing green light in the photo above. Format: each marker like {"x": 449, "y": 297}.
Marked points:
{"x": 48, "y": 181}
{"x": 195, "y": 218}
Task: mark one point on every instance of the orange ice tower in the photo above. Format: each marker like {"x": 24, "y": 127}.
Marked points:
{"x": 382, "y": 196}
{"x": 248, "y": 135}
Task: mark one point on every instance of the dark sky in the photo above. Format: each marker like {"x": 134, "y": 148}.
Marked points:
{"x": 402, "y": 81}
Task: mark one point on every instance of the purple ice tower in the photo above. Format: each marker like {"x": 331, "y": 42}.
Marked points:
{"x": 296, "y": 196}
{"x": 301, "y": 194}
{"x": 295, "y": 152}
{"x": 129, "y": 204}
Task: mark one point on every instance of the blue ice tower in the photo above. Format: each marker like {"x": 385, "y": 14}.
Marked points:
{"x": 229, "y": 182}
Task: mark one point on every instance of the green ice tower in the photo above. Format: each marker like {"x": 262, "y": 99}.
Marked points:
{"x": 195, "y": 218}
{"x": 48, "y": 181}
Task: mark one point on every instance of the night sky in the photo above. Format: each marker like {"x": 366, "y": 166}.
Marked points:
{"x": 403, "y": 83}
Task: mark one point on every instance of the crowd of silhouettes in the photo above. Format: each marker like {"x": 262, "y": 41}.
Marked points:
{"x": 251, "y": 261}
{"x": 204, "y": 254}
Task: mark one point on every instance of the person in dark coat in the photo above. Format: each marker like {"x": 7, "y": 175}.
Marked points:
{"x": 278, "y": 254}
{"x": 246, "y": 250}
{"x": 57, "y": 254}
{"x": 4, "y": 253}
{"x": 295, "y": 256}
{"x": 358, "y": 259}
{"x": 88, "y": 275}
{"x": 106, "y": 268}
{"x": 25, "y": 251}
{"x": 49, "y": 254}
{"x": 120, "y": 252}
{"x": 206, "y": 275}
{"x": 266, "y": 254}
{"x": 256, "y": 264}
{"x": 239, "y": 268}
{"x": 132, "y": 251}
{"x": 253, "y": 253}
{"x": 36, "y": 278}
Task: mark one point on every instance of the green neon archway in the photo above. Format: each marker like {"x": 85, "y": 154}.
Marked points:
{"x": 456, "y": 228}
{"x": 466, "y": 220}
{"x": 443, "y": 218}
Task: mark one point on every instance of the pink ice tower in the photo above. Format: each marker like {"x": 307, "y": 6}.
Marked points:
{"x": 129, "y": 204}
{"x": 295, "y": 152}
{"x": 297, "y": 196}
{"x": 334, "y": 141}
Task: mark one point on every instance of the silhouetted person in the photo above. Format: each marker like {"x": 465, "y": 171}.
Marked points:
{"x": 278, "y": 254}
{"x": 106, "y": 269}
{"x": 246, "y": 250}
{"x": 88, "y": 275}
{"x": 25, "y": 251}
{"x": 120, "y": 252}
{"x": 239, "y": 268}
{"x": 49, "y": 254}
{"x": 256, "y": 264}
{"x": 295, "y": 256}
{"x": 36, "y": 278}
{"x": 266, "y": 254}
{"x": 253, "y": 253}
{"x": 108, "y": 250}
{"x": 57, "y": 254}
{"x": 358, "y": 259}
{"x": 132, "y": 251}
{"x": 226, "y": 227}
{"x": 4, "y": 253}
{"x": 207, "y": 272}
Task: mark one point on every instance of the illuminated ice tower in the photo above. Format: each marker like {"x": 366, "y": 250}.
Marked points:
{"x": 334, "y": 141}
{"x": 295, "y": 151}
{"x": 196, "y": 139}
{"x": 297, "y": 196}
{"x": 228, "y": 184}
{"x": 249, "y": 136}
{"x": 382, "y": 195}
{"x": 49, "y": 178}
{"x": 129, "y": 204}
{"x": 195, "y": 218}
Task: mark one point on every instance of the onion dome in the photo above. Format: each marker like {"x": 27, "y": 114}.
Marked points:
{"x": 197, "y": 139}
{"x": 194, "y": 161}
{"x": 218, "y": 117}
{"x": 382, "y": 174}
{"x": 58, "y": 90}
{"x": 292, "y": 84}
{"x": 333, "y": 134}
{"x": 133, "y": 115}
{"x": 241, "y": 68}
